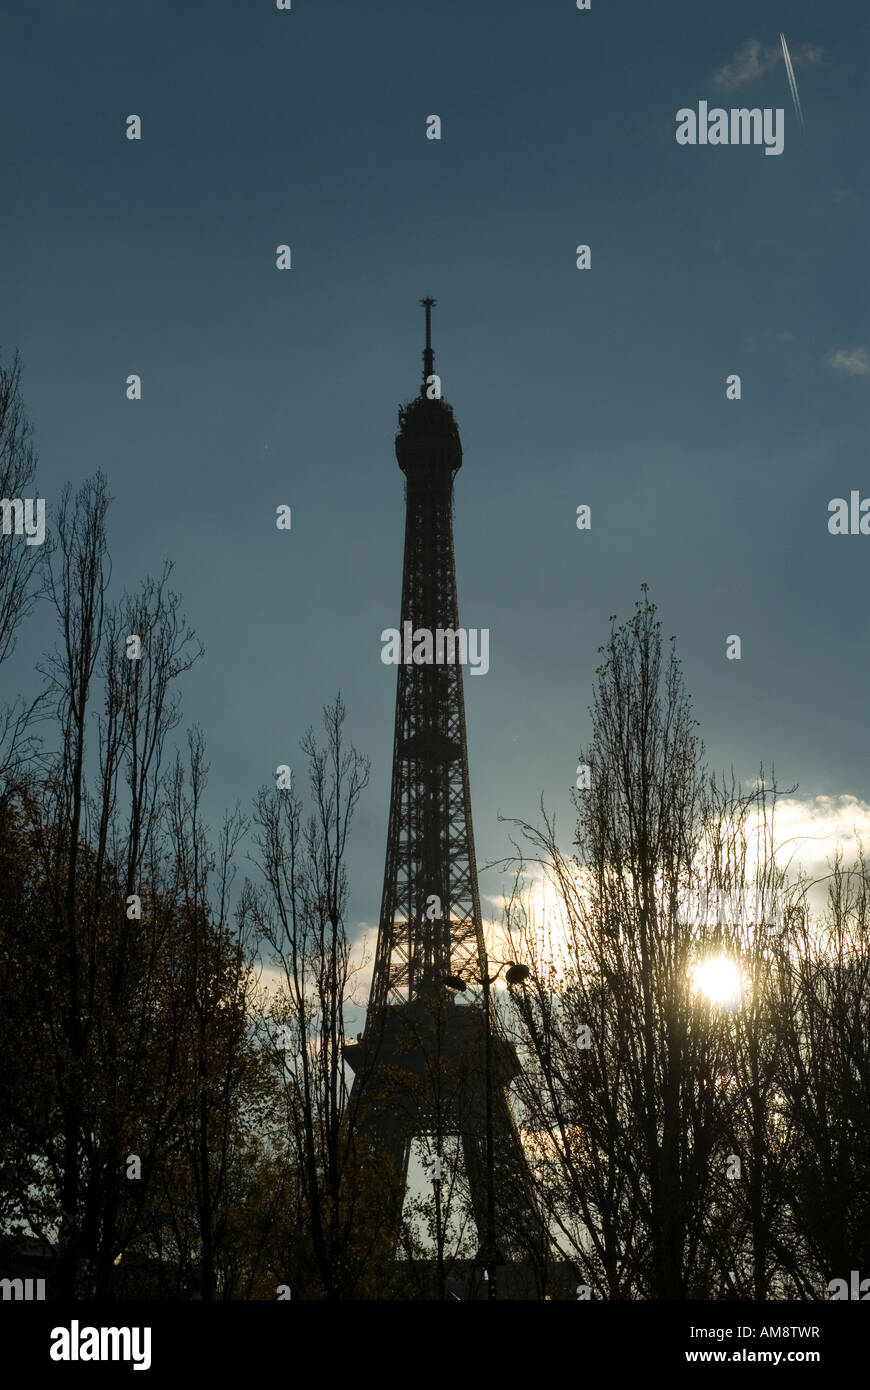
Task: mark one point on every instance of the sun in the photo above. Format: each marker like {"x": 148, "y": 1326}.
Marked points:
{"x": 719, "y": 980}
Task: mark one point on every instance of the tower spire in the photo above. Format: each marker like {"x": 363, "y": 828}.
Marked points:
{"x": 428, "y": 353}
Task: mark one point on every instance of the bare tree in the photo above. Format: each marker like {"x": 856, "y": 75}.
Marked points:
{"x": 622, "y": 1092}
{"x": 219, "y": 1065}
{"x": 301, "y": 918}
{"x": 822, "y": 1019}
{"x": 96, "y": 991}
{"x": 20, "y": 562}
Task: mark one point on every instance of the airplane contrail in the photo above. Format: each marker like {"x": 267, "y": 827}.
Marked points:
{"x": 791, "y": 81}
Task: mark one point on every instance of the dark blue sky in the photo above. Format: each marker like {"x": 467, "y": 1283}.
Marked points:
{"x": 607, "y": 387}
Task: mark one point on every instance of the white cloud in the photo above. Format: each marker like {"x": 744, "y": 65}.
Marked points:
{"x": 750, "y": 62}
{"x": 812, "y": 830}
{"x": 362, "y": 957}
{"x": 755, "y": 60}
{"x": 364, "y": 937}
{"x": 855, "y": 361}
{"x": 270, "y": 979}
{"x": 808, "y": 832}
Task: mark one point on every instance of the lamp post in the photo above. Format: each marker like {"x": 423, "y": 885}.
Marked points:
{"x": 516, "y": 973}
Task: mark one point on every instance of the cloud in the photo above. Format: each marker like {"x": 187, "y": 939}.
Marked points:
{"x": 755, "y": 60}
{"x": 810, "y": 829}
{"x": 854, "y": 361}
{"x": 362, "y": 959}
{"x": 751, "y": 61}
{"x": 807, "y": 834}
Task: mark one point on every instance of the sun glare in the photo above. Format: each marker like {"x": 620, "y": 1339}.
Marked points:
{"x": 719, "y": 979}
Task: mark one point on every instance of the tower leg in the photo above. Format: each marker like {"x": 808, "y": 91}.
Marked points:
{"x": 520, "y": 1230}
{"x": 384, "y": 1135}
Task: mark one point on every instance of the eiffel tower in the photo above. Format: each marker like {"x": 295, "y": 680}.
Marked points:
{"x": 429, "y": 1062}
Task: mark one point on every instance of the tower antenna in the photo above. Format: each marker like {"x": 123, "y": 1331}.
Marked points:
{"x": 428, "y": 353}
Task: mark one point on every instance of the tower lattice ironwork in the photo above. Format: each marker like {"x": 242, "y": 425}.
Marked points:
{"x": 426, "y": 1063}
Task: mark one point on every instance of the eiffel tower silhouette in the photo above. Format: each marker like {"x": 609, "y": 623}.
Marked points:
{"x": 429, "y": 1062}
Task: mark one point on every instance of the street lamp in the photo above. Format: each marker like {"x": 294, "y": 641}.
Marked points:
{"x": 515, "y": 975}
